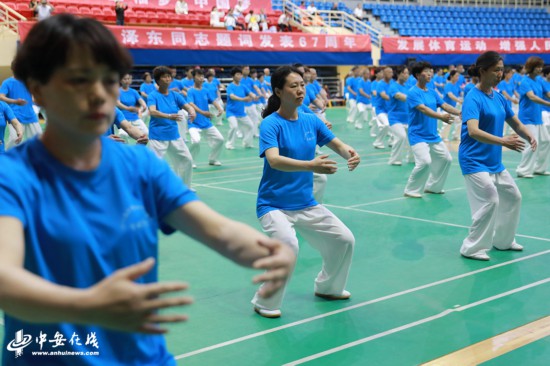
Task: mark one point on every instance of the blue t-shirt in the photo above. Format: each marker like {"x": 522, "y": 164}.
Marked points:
{"x": 163, "y": 129}
{"x": 258, "y": 84}
{"x": 267, "y": 79}
{"x": 452, "y": 88}
{"x": 399, "y": 110}
{"x": 147, "y": 89}
{"x": 201, "y": 99}
{"x": 421, "y": 127}
{"x": 96, "y": 223}
{"x": 364, "y": 85}
{"x": 508, "y": 87}
{"x": 6, "y": 115}
{"x": 530, "y": 113}
{"x": 176, "y": 84}
{"x": 351, "y": 83}
{"x": 411, "y": 81}
{"x": 468, "y": 87}
{"x": 236, "y": 107}
{"x": 187, "y": 83}
{"x": 516, "y": 79}
{"x": 15, "y": 89}
{"x": 130, "y": 98}
{"x": 296, "y": 140}
{"x": 491, "y": 112}
{"x": 383, "y": 105}
{"x": 545, "y": 89}
{"x": 375, "y": 96}
{"x": 439, "y": 80}
{"x": 119, "y": 117}
{"x": 212, "y": 89}
{"x": 248, "y": 84}
{"x": 310, "y": 95}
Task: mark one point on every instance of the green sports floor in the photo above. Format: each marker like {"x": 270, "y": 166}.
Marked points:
{"x": 414, "y": 298}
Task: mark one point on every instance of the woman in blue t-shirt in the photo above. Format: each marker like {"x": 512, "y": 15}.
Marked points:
{"x": 530, "y": 113}
{"x": 285, "y": 197}
{"x": 494, "y": 198}
{"x": 451, "y": 96}
{"x": 80, "y": 229}
{"x": 431, "y": 156}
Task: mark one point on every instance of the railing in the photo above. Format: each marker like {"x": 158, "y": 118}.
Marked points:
{"x": 329, "y": 21}
{"x": 9, "y": 18}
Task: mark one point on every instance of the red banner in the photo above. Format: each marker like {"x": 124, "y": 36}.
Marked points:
{"x": 465, "y": 45}
{"x": 194, "y": 5}
{"x": 211, "y": 39}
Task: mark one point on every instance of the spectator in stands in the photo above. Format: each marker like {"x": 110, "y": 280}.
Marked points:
{"x": 120, "y": 8}
{"x": 530, "y": 113}
{"x": 334, "y": 7}
{"x": 252, "y": 21}
{"x": 230, "y": 21}
{"x": 239, "y": 9}
{"x": 359, "y": 12}
{"x": 264, "y": 23}
{"x": 284, "y": 22}
{"x": 215, "y": 18}
{"x": 181, "y": 7}
{"x": 43, "y": 10}
{"x": 32, "y": 6}
{"x": 311, "y": 9}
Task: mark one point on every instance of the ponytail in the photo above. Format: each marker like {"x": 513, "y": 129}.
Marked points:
{"x": 273, "y": 104}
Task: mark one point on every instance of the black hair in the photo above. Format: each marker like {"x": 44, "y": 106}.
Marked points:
{"x": 253, "y": 71}
{"x": 49, "y": 42}
{"x": 400, "y": 69}
{"x": 546, "y": 71}
{"x": 297, "y": 65}
{"x": 532, "y": 63}
{"x": 236, "y": 70}
{"x": 197, "y": 72}
{"x": 278, "y": 80}
{"x": 208, "y": 74}
{"x": 507, "y": 70}
{"x": 419, "y": 67}
{"x": 485, "y": 61}
{"x": 160, "y": 71}
{"x": 145, "y": 74}
{"x": 451, "y": 74}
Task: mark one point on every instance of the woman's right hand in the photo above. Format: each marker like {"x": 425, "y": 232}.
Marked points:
{"x": 120, "y": 303}
{"x": 446, "y": 117}
{"x": 322, "y": 165}
{"x": 513, "y": 142}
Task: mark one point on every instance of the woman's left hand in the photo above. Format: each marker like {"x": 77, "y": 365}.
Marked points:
{"x": 354, "y": 160}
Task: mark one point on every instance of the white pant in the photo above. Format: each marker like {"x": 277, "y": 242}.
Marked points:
{"x": 252, "y": 112}
{"x": 383, "y": 128}
{"x": 400, "y": 143}
{"x": 364, "y": 114}
{"x": 431, "y": 167}
{"x": 216, "y": 120}
{"x": 535, "y": 161}
{"x": 182, "y": 125}
{"x": 352, "y": 110}
{"x": 178, "y": 154}
{"x": 323, "y": 231}
{"x": 495, "y": 202}
{"x": 319, "y": 186}
{"x": 246, "y": 126}
{"x": 138, "y": 123}
{"x": 214, "y": 139}
{"x": 29, "y": 130}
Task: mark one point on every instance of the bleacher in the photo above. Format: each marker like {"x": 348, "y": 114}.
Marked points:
{"x": 463, "y": 21}
{"x": 135, "y": 15}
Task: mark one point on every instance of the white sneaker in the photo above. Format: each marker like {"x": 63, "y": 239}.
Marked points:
{"x": 229, "y": 147}
{"x": 194, "y": 166}
{"x": 266, "y": 313}
{"x": 396, "y": 163}
{"x": 412, "y": 195}
{"x": 478, "y": 256}
{"x": 343, "y": 296}
{"x": 378, "y": 146}
{"x": 542, "y": 173}
{"x": 525, "y": 175}
{"x": 215, "y": 163}
{"x": 514, "y": 247}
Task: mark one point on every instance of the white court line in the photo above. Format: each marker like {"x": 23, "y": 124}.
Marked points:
{"x": 421, "y": 220}
{"x": 398, "y": 198}
{"x": 414, "y": 324}
{"x": 380, "y": 299}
